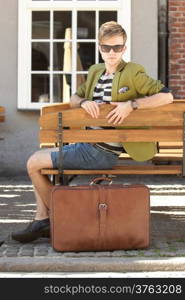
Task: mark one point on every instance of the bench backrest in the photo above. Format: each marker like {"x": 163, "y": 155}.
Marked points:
{"x": 2, "y": 114}
{"x": 166, "y": 125}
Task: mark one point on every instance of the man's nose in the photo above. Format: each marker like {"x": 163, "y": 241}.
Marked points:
{"x": 111, "y": 51}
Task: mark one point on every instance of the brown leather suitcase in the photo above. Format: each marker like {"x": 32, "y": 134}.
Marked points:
{"x": 100, "y": 217}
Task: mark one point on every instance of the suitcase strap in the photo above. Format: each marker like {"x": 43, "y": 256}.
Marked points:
{"x": 60, "y": 143}
{"x": 103, "y": 215}
{"x": 103, "y": 218}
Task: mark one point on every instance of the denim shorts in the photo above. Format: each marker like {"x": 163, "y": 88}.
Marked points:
{"x": 84, "y": 156}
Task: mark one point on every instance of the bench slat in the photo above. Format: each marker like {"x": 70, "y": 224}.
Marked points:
{"x": 168, "y": 151}
{"x": 118, "y": 170}
{"x": 168, "y": 115}
{"x": 2, "y": 109}
{"x": 171, "y": 145}
{"x": 131, "y": 135}
{"x": 54, "y": 108}
{"x": 157, "y": 157}
{"x": 2, "y": 116}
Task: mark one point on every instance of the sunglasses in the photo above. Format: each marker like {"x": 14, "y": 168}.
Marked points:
{"x": 115, "y": 48}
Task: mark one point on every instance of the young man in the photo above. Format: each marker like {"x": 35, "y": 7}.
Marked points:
{"x": 126, "y": 86}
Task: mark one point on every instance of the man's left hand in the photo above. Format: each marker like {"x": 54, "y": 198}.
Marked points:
{"x": 120, "y": 112}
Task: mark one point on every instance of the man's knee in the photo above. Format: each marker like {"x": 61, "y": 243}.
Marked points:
{"x": 33, "y": 163}
{"x": 38, "y": 161}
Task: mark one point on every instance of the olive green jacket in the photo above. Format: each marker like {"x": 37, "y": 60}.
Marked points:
{"x": 139, "y": 84}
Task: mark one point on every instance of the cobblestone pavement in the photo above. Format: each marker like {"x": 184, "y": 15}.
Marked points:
{"x": 17, "y": 208}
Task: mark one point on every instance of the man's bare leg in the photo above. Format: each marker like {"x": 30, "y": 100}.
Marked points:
{"x": 41, "y": 183}
{"x": 42, "y": 210}
{"x": 40, "y": 227}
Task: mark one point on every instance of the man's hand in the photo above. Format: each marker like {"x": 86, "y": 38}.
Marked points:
{"x": 92, "y": 108}
{"x": 120, "y": 112}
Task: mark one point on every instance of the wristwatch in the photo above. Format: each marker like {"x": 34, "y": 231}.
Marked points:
{"x": 134, "y": 104}
{"x": 82, "y": 101}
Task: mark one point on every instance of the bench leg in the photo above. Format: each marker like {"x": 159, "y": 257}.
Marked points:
{"x": 53, "y": 179}
{"x": 57, "y": 180}
{"x": 64, "y": 180}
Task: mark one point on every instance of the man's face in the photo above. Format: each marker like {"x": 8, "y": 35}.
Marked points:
{"x": 114, "y": 55}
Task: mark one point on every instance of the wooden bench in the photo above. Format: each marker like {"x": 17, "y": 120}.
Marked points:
{"x": 166, "y": 127}
{"x": 2, "y": 117}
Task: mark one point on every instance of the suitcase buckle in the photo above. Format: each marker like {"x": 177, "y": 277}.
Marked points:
{"x": 102, "y": 206}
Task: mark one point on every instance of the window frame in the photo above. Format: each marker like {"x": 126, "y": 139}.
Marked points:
{"x": 25, "y": 9}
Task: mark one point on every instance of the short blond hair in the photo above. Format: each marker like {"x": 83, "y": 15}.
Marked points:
{"x": 110, "y": 29}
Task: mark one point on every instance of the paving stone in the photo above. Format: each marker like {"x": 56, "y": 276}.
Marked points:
{"x": 73, "y": 254}
{"x": 150, "y": 253}
{"x": 12, "y": 252}
{"x": 80, "y": 254}
{"x": 104, "y": 254}
{"x": 2, "y": 252}
{"x": 58, "y": 254}
{"x": 40, "y": 251}
{"x": 167, "y": 254}
{"x": 131, "y": 253}
{"x": 167, "y": 222}
{"x": 160, "y": 244}
{"x": 118, "y": 253}
{"x": 53, "y": 253}
{"x": 178, "y": 244}
{"x": 180, "y": 252}
{"x": 26, "y": 252}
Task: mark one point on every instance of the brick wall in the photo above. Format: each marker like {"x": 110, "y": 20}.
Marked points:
{"x": 176, "y": 25}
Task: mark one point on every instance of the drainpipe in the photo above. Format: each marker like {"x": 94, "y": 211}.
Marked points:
{"x": 163, "y": 41}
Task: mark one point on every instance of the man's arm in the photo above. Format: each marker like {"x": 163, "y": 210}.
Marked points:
{"x": 154, "y": 100}
{"x": 75, "y": 100}
{"x": 123, "y": 109}
{"x": 90, "y": 107}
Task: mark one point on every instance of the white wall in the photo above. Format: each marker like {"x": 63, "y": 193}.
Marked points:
{"x": 21, "y": 128}
{"x": 144, "y": 46}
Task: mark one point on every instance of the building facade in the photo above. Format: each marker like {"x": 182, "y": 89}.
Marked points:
{"x": 176, "y": 27}
{"x": 46, "y": 49}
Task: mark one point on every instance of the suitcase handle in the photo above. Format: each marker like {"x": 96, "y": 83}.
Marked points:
{"x": 100, "y": 179}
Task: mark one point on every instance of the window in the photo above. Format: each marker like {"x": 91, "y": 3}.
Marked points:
{"x": 57, "y": 45}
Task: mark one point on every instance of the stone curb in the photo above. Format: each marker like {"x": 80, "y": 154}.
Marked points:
{"x": 55, "y": 264}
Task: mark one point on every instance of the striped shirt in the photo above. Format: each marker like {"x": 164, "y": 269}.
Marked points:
{"x": 102, "y": 93}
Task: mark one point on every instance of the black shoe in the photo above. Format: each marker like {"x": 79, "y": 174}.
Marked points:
{"x": 35, "y": 230}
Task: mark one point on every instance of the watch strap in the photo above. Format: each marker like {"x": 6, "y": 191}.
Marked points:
{"x": 134, "y": 104}
{"x": 82, "y": 101}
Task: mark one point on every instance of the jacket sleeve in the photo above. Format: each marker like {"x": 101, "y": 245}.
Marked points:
{"x": 81, "y": 90}
{"x": 144, "y": 84}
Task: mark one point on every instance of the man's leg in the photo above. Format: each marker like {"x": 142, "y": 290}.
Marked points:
{"x": 40, "y": 227}
{"x": 41, "y": 210}
{"x": 41, "y": 183}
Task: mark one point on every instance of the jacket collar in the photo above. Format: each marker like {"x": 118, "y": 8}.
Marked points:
{"x": 116, "y": 80}
{"x": 121, "y": 66}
